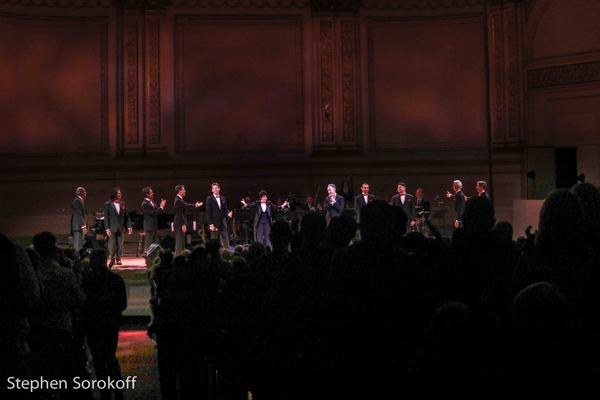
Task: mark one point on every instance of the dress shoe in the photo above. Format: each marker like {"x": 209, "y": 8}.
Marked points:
{"x": 111, "y": 263}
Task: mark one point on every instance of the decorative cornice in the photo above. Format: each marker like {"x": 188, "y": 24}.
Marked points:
{"x": 241, "y": 3}
{"x": 60, "y": 3}
{"x": 563, "y": 75}
{"x": 336, "y": 6}
{"x": 419, "y": 4}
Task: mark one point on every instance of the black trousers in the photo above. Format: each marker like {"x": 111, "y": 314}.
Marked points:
{"x": 262, "y": 232}
{"x": 222, "y": 234}
{"x": 179, "y": 241}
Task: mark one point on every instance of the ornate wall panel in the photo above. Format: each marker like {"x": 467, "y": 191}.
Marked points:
{"x": 54, "y": 84}
{"x": 153, "y": 110}
{"x": 239, "y": 84}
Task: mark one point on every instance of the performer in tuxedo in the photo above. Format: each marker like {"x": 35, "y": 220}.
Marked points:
{"x": 263, "y": 219}
{"x": 78, "y": 222}
{"x": 420, "y": 203}
{"x": 459, "y": 202}
{"x": 116, "y": 223}
{"x": 362, "y": 199}
{"x": 334, "y": 204}
{"x": 151, "y": 211}
{"x": 481, "y": 188}
{"x": 405, "y": 201}
{"x": 216, "y": 214}
{"x": 180, "y": 221}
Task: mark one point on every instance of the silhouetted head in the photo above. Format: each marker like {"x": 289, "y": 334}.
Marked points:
{"x": 341, "y": 231}
{"x": 452, "y": 332}
{"x": 281, "y": 235}
{"x": 503, "y": 231}
{"x": 98, "y": 259}
{"x": 45, "y": 244}
{"x": 399, "y": 221}
{"x": 478, "y": 215}
{"x": 589, "y": 196}
{"x": 539, "y": 318}
{"x": 561, "y": 222}
{"x": 376, "y": 222}
{"x": 312, "y": 228}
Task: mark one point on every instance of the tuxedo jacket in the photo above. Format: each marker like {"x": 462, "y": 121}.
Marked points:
{"x": 486, "y": 195}
{"x": 77, "y": 215}
{"x": 116, "y": 221}
{"x": 359, "y": 202}
{"x": 214, "y": 214}
{"x": 179, "y": 206}
{"x": 336, "y": 209}
{"x": 459, "y": 205}
{"x": 270, "y": 211}
{"x": 151, "y": 211}
{"x": 408, "y": 206}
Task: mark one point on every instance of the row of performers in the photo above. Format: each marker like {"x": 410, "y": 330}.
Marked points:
{"x": 117, "y": 222}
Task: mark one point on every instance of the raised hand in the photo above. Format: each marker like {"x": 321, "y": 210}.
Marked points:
{"x": 163, "y": 203}
{"x": 230, "y": 214}
{"x": 244, "y": 204}
{"x": 199, "y": 204}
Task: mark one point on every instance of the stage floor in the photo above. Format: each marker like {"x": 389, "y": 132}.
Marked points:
{"x": 134, "y": 272}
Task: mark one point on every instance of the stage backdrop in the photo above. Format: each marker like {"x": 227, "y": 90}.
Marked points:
{"x": 287, "y": 96}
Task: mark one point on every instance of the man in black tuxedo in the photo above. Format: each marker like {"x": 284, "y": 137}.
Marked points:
{"x": 405, "y": 201}
{"x": 362, "y": 200}
{"x": 180, "y": 221}
{"x": 334, "y": 204}
{"x": 459, "y": 202}
{"x": 263, "y": 219}
{"x": 78, "y": 222}
{"x": 116, "y": 222}
{"x": 151, "y": 211}
{"x": 216, "y": 214}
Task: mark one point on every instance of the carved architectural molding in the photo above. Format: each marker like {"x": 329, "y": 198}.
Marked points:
{"x": 563, "y": 75}
{"x": 513, "y": 76}
{"x": 419, "y": 4}
{"x": 131, "y": 83}
{"x": 60, "y": 3}
{"x": 337, "y": 6}
{"x": 153, "y": 86}
{"x": 326, "y": 69}
{"x": 497, "y": 46}
{"x": 506, "y": 66}
{"x": 242, "y": 3}
{"x": 348, "y": 90}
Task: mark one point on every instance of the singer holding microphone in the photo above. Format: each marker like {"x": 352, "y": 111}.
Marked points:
{"x": 333, "y": 204}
